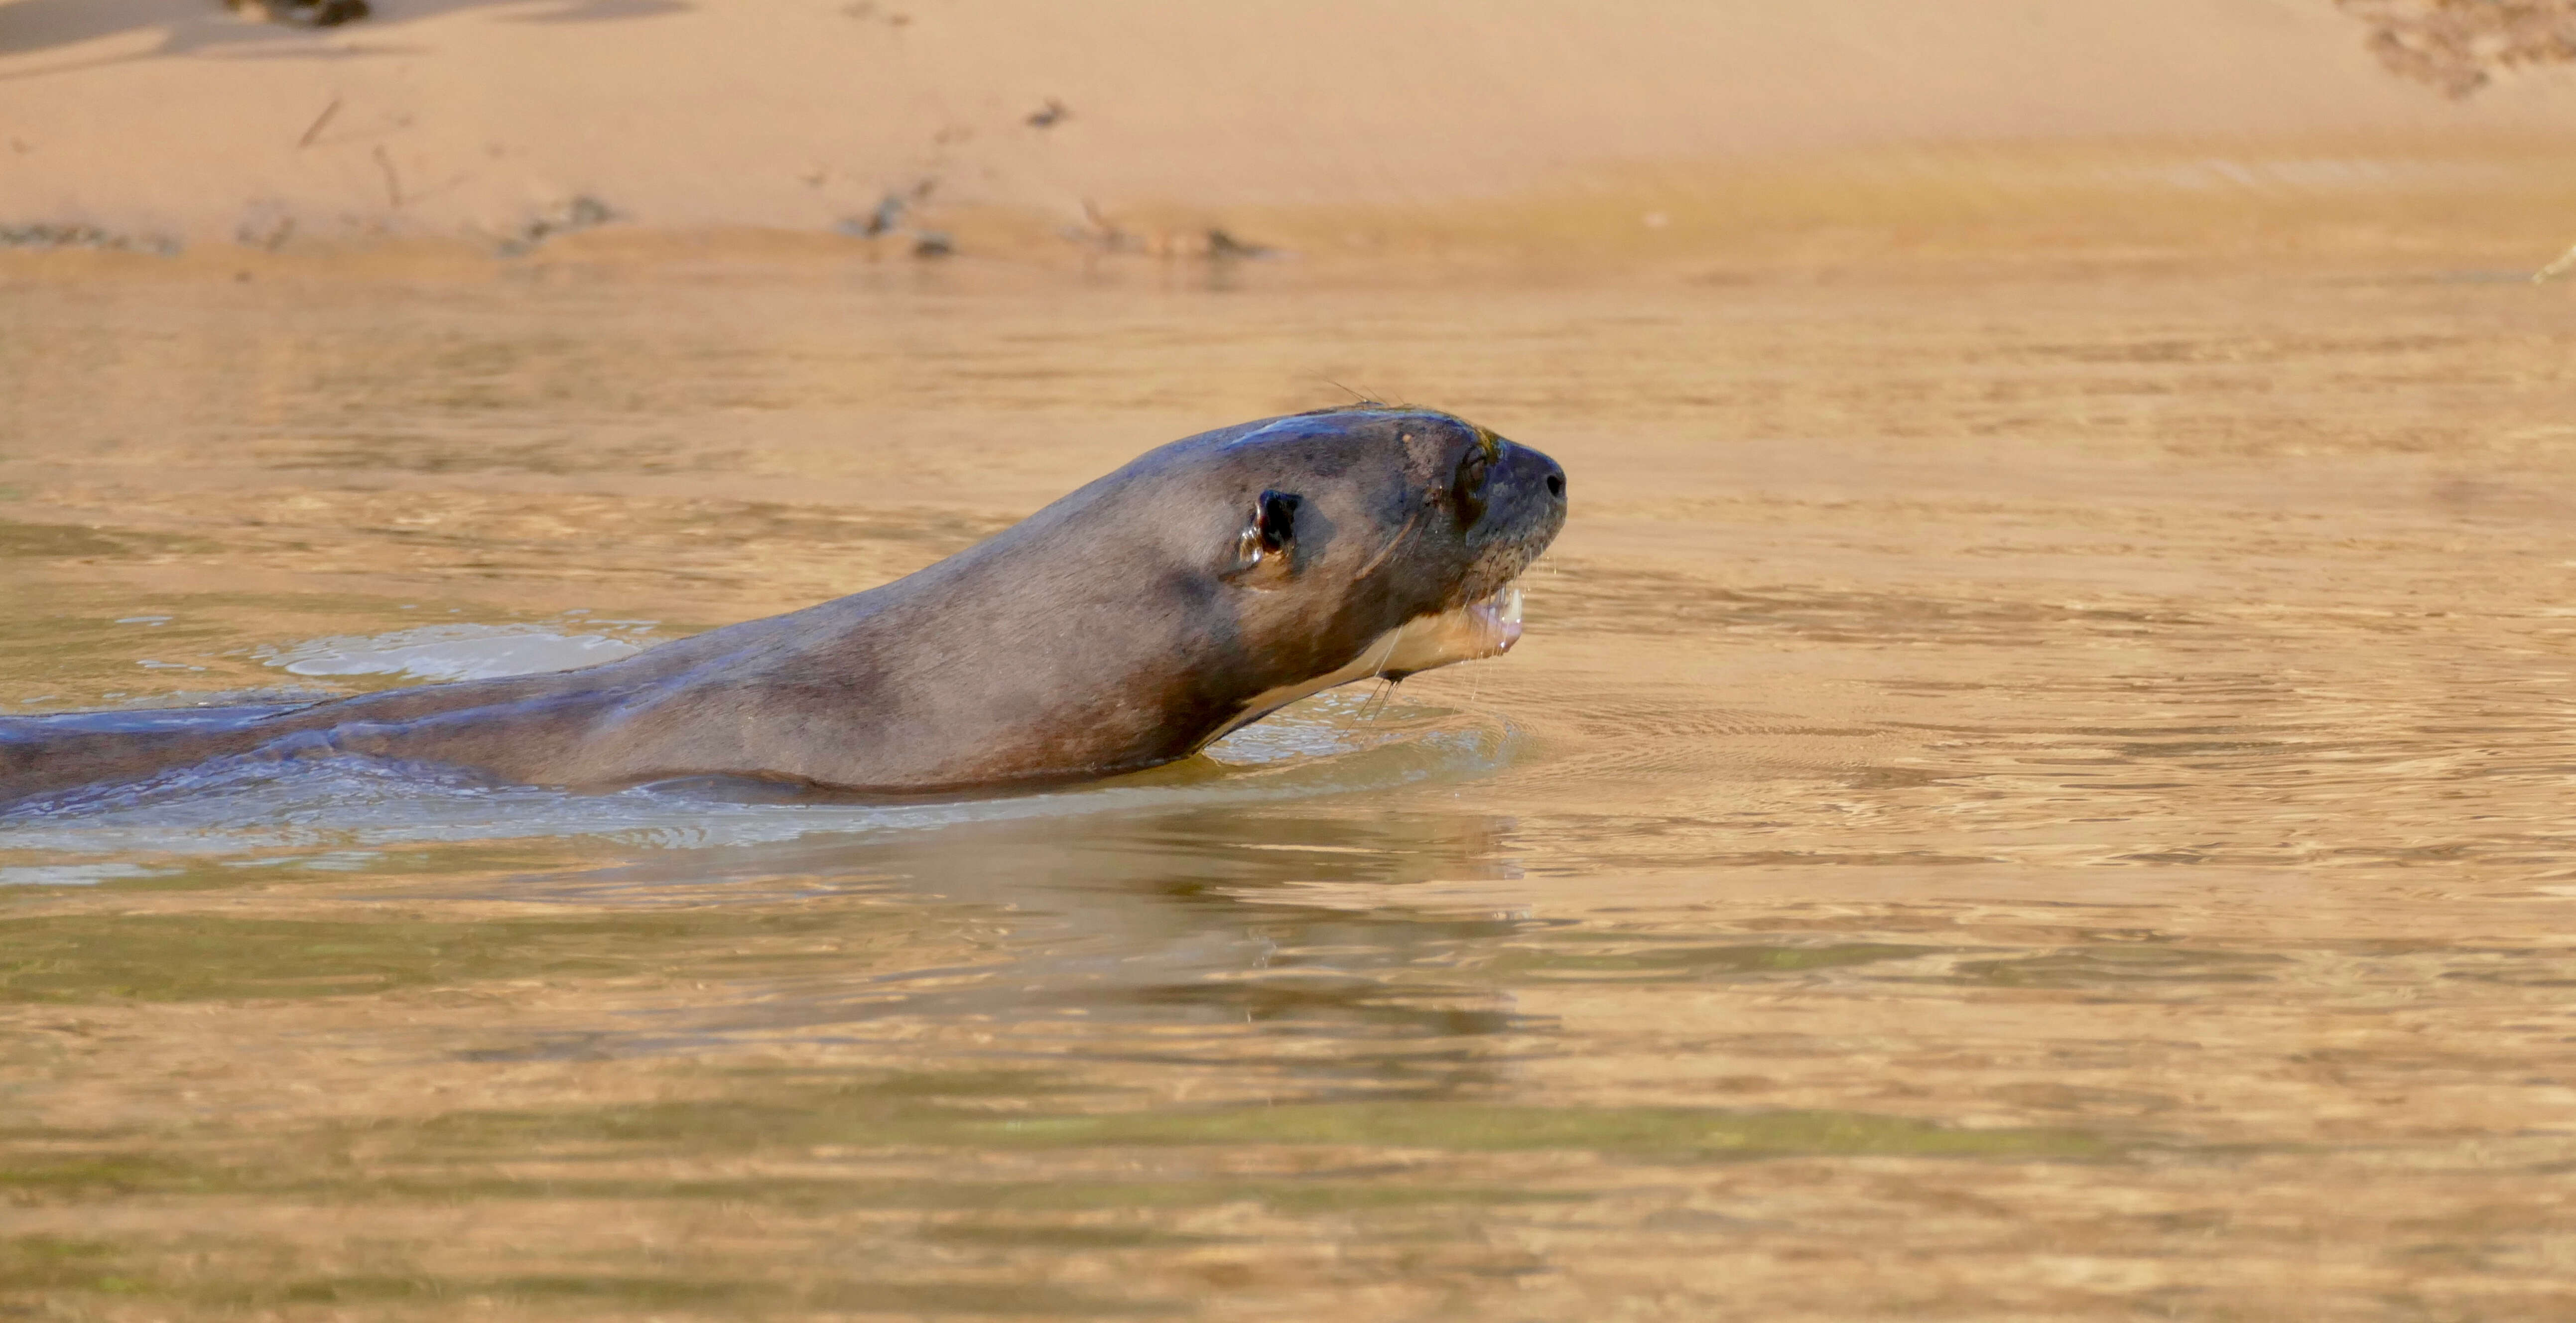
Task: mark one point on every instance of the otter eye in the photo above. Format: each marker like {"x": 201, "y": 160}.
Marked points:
{"x": 1467, "y": 489}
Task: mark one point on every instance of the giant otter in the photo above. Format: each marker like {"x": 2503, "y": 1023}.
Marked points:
{"x": 1128, "y": 624}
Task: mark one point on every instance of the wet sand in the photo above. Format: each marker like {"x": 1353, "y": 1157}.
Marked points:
{"x": 2034, "y": 789}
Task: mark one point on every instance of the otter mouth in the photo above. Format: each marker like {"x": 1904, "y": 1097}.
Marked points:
{"x": 1486, "y": 627}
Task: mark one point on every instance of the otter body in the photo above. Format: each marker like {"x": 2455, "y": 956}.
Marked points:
{"x": 1127, "y": 624}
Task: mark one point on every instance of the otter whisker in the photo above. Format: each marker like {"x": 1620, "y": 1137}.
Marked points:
{"x": 1377, "y": 668}
{"x": 1376, "y": 702}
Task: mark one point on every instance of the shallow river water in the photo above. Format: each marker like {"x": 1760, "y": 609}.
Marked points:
{"x": 2027, "y": 794}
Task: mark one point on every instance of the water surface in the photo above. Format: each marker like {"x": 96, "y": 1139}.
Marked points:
{"x": 2039, "y": 795}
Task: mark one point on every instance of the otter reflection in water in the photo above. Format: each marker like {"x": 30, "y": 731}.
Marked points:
{"x": 1128, "y": 624}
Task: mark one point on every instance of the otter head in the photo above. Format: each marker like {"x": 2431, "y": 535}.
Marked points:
{"x": 1365, "y": 541}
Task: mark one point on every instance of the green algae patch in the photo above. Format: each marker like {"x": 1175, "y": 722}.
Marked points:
{"x": 2124, "y": 967}
{"x": 107, "y": 1179}
{"x": 67, "y": 1271}
{"x": 32, "y": 1263}
{"x": 587, "y": 1153}
{"x": 180, "y": 958}
{"x": 94, "y": 1175}
{"x": 81, "y": 542}
{"x": 897, "y": 1118}
{"x": 1673, "y": 1132}
{"x": 1656, "y": 963}
{"x": 355, "y": 1289}
{"x": 1060, "y": 1237}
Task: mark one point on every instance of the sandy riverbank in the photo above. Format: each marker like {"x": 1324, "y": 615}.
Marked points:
{"x": 1530, "y": 132}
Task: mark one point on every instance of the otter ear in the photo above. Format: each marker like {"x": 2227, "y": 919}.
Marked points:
{"x": 1273, "y": 527}
{"x": 1274, "y": 517}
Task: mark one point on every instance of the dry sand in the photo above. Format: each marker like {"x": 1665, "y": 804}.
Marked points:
{"x": 1532, "y": 126}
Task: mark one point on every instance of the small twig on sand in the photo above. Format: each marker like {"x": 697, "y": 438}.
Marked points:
{"x": 318, "y": 121}
{"x": 302, "y": 13}
{"x": 2565, "y": 261}
{"x": 393, "y": 182}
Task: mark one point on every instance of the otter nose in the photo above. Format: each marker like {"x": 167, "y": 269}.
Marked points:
{"x": 1526, "y": 469}
{"x": 1555, "y": 477}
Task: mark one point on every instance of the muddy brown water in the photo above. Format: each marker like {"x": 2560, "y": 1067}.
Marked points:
{"x": 2027, "y": 794}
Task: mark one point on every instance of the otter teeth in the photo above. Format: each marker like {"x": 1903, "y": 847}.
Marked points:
{"x": 1500, "y": 613}
{"x": 1487, "y": 627}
